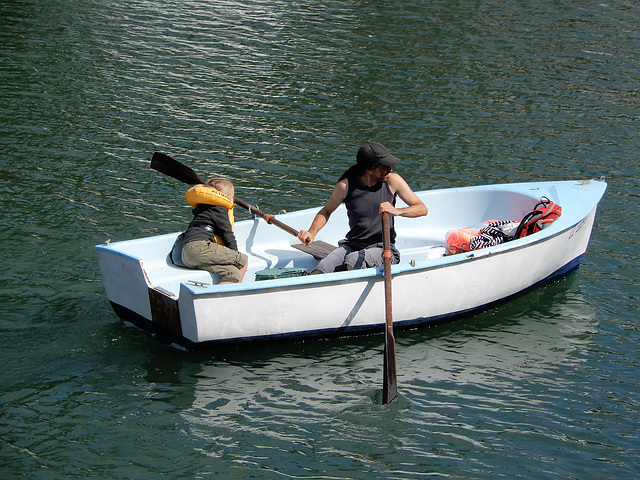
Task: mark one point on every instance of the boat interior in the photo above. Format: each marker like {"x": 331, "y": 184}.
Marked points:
{"x": 269, "y": 247}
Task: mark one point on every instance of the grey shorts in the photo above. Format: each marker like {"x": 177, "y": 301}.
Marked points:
{"x": 217, "y": 259}
{"x": 354, "y": 256}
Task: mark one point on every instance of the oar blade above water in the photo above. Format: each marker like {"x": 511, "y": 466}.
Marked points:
{"x": 165, "y": 164}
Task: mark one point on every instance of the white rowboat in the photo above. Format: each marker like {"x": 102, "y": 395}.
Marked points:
{"x": 190, "y": 308}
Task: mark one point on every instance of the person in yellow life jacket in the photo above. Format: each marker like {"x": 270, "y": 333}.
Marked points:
{"x": 209, "y": 242}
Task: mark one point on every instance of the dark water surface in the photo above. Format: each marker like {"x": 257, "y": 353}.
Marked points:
{"x": 278, "y": 96}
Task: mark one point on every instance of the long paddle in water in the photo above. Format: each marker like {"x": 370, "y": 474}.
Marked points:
{"x": 390, "y": 380}
{"x": 163, "y": 163}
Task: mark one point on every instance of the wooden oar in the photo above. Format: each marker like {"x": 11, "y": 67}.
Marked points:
{"x": 390, "y": 380}
{"x": 163, "y": 163}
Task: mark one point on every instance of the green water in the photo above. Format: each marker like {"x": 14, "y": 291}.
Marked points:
{"x": 278, "y": 96}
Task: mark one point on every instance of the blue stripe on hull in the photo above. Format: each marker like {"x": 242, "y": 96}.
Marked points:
{"x": 131, "y": 317}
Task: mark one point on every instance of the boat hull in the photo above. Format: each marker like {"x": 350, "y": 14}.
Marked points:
{"x": 428, "y": 288}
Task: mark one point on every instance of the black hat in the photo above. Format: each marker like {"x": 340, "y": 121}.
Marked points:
{"x": 374, "y": 152}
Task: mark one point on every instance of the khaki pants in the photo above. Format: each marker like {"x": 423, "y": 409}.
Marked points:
{"x": 217, "y": 259}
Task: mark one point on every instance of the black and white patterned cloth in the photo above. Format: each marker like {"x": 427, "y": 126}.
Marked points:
{"x": 495, "y": 233}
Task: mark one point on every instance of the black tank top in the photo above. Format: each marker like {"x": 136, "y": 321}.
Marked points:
{"x": 363, "y": 204}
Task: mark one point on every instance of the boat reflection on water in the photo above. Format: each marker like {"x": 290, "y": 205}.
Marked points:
{"x": 466, "y": 390}
{"x": 532, "y": 336}
{"x": 494, "y": 357}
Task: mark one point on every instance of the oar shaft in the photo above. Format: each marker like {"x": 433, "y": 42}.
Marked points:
{"x": 390, "y": 379}
{"x": 270, "y": 219}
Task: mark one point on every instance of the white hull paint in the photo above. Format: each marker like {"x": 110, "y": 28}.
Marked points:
{"x": 145, "y": 289}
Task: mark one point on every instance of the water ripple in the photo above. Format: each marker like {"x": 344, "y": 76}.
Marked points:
{"x": 278, "y": 97}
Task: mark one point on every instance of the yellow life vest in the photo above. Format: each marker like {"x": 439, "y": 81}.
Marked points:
{"x": 210, "y": 196}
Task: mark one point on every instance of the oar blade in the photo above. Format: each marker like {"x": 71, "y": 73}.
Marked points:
{"x": 317, "y": 249}
{"x": 165, "y": 164}
{"x": 390, "y": 381}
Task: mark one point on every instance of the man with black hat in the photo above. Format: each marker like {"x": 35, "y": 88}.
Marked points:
{"x": 368, "y": 188}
